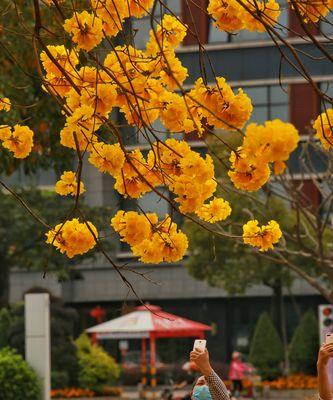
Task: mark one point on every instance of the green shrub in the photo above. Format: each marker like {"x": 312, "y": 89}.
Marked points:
{"x": 266, "y": 350}
{"x": 5, "y": 321}
{"x": 17, "y": 379}
{"x": 96, "y": 367}
{"x": 303, "y": 348}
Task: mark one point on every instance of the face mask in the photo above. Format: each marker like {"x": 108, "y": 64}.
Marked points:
{"x": 201, "y": 393}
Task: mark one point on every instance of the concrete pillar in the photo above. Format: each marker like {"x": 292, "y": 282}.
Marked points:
{"x": 37, "y": 338}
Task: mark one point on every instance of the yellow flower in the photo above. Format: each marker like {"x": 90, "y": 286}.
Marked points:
{"x": 58, "y": 84}
{"x": 220, "y": 106}
{"x": 279, "y": 167}
{"x": 246, "y": 174}
{"x": 73, "y": 237}
{"x": 19, "y": 142}
{"x": 68, "y": 184}
{"x": 167, "y": 247}
{"x": 271, "y": 142}
{"x": 262, "y": 237}
{"x": 268, "y": 11}
{"x": 216, "y": 210}
{"x": 5, "y": 104}
{"x": 313, "y": 10}
{"x": 112, "y": 13}
{"x": 5, "y": 132}
{"x": 133, "y": 227}
{"x": 50, "y": 2}
{"x": 86, "y": 30}
{"x": 132, "y": 179}
{"x": 102, "y": 98}
{"x": 169, "y": 34}
{"x": 151, "y": 240}
{"x": 67, "y": 59}
{"x": 107, "y": 158}
{"x": 231, "y": 16}
{"x": 323, "y": 126}
{"x": 137, "y": 8}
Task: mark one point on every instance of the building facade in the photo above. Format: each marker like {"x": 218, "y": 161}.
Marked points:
{"x": 247, "y": 60}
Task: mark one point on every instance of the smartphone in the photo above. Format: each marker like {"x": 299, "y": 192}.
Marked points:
{"x": 329, "y": 338}
{"x": 200, "y": 344}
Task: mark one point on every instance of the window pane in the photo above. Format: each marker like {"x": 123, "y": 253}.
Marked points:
{"x": 281, "y": 112}
{"x": 326, "y": 26}
{"x": 246, "y": 36}
{"x": 277, "y": 95}
{"x": 259, "y": 114}
{"x": 140, "y": 28}
{"x": 152, "y": 203}
{"x": 216, "y": 35}
{"x": 258, "y": 94}
{"x": 173, "y": 5}
{"x": 158, "y": 130}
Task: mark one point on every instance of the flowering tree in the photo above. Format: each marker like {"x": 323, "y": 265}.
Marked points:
{"x": 88, "y": 76}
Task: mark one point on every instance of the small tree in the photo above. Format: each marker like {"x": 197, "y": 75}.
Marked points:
{"x": 304, "y": 345}
{"x": 266, "y": 351}
{"x": 96, "y": 367}
{"x": 17, "y": 379}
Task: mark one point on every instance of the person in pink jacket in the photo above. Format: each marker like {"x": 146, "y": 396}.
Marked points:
{"x": 237, "y": 373}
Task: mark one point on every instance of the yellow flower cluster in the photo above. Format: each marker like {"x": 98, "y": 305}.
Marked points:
{"x": 323, "y": 127}
{"x": 68, "y": 184}
{"x": 313, "y": 10}
{"x": 73, "y": 237}
{"x": 59, "y": 64}
{"x": 262, "y": 237}
{"x": 50, "y": 2}
{"x": 216, "y": 105}
{"x": 216, "y": 210}
{"x": 263, "y": 144}
{"x": 5, "y": 104}
{"x": 113, "y": 13}
{"x": 18, "y": 140}
{"x": 107, "y": 158}
{"x": 86, "y": 30}
{"x": 151, "y": 240}
{"x": 231, "y": 16}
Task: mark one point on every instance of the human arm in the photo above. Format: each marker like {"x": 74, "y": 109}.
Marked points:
{"x": 215, "y": 384}
{"x": 324, "y": 387}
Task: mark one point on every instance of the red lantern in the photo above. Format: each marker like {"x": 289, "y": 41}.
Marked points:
{"x": 98, "y": 313}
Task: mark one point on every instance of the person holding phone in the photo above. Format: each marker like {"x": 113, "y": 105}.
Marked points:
{"x": 325, "y": 354}
{"x": 209, "y": 386}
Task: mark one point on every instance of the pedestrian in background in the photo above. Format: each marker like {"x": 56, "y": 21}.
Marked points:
{"x": 324, "y": 386}
{"x": 237, "y": 372}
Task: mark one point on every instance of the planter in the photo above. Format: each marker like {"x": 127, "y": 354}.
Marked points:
{"x": 304, "y": 394}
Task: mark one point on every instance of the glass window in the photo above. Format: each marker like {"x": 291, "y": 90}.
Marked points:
{"x": 326, "y": 88}
{"x": 281, "y": 112}
{"x": 215, "y": 35}
{"x": 174, "y": 6}
{"x": 269, "y": 102}
{"x": 40, "y": 178}
{"x": 259, "y": 114}
{"x": 258, "y": 94}
{"x": 326, "y": 25}
{"x": 152, "y": 203}
{"x": 278, "y": 94}
{"x": 159, "y": 131}
{"x": 140, "y": 32}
